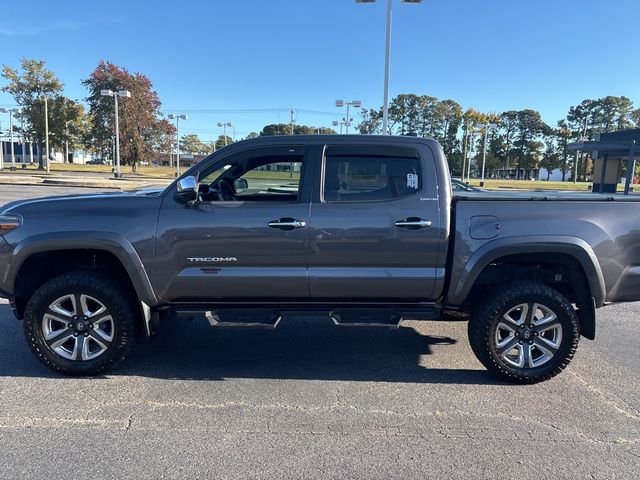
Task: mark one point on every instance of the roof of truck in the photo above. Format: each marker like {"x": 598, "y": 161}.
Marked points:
{"x": 314, "y": 139}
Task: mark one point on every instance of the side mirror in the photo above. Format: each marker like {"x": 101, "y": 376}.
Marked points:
{"x": 187, "y": 189}
{"x": 240, "y": 185}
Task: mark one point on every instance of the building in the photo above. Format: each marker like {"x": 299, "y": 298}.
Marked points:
{"x": 608, "y": 165}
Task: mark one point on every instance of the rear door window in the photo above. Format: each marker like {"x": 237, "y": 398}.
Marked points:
{"x": 366, "y": 178}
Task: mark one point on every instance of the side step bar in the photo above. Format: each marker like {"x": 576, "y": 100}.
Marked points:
{"x": 243, "y": 318}
{"x": 269, "y": 318}
{"x": 366, "y": 318}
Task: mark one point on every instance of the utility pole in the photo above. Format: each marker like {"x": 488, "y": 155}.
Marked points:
{"x": 13, "y": 156}
{"x": 11, "y": 111}
{"x": 469, "y": 158}
{"x": 575, "y": 166}
{"x": 487, "y": 127}
{"x": 224, "y": 125}
{"x": 464, "y": 149}
{"x": 115, "y": 94}
{"x": 66, "y": 141}
{"x": 348, "y": 103}
{"x": 177, "y": 118}
{"x": 1, "y": 150}
{"x": 292, "y": 120}
{"x": 24, "y": 141}
{"x": 46, "y": 131}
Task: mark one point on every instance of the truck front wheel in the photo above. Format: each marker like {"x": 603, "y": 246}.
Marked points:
{"x": 80, "y": 323}
{"x": 524, "y": 333}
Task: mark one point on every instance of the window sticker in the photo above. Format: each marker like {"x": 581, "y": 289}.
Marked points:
{"x": 412, "y": 180}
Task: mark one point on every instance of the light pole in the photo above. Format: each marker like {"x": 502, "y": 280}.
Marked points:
{"x": 387, "y": 61}
{"x": 46, "y": 136}
{"x": 177, "y": 118}
{"x": 464, "y": 146}
{"x": 487, "y": 127}
{"x": 24, "y": 140}
{"x": 342, "y": 103}
{"x": 335, "y": 123}
{"x": 575, "y": 165}
{"x": 469, "y": 152}
{"x": 11, "y": 111}
{"x": 115, "y": 95}
{"x": 224, "y": 125}
{"x": 66, "y": 141}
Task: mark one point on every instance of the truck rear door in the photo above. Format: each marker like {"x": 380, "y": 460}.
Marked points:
{"x": 375, "y": 226}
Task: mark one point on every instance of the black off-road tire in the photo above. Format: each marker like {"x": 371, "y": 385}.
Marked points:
{"x": 486, "y": 316}
{"x": 120, "y": 305}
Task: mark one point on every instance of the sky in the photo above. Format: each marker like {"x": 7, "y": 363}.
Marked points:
{"x": 250, "y": 61}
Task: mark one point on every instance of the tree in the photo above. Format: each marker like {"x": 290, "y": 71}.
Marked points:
{"x": 563, "y": 138}
{"x": 222, "y": 141}
{"x": 508, "y": 123}
{"x": 551, "y": 159}
{"x": 449, "y": 117}
{"x": 68, "y": 124}
{"x": 371, "y": 122}
{"x": 529, "y": 129}
{"x": 191, "y": 143}
{"x": 635, "y": 117}
{"x": 141, "y": 127}
{"x": 285, "y": 129}
{"x": 404, "y": 114}
{"x": 29, "y": 86}
{"x": 471, "y": 136}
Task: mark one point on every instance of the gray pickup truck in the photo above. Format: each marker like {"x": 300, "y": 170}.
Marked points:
{"x": 362, "y": 228}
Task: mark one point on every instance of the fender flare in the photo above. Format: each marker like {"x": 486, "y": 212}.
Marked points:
{"x": 489, "y": 252}
{"x": 113, "y": 243}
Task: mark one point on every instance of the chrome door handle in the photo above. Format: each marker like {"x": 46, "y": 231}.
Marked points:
{"x": 412, "y": 223}
{"x": 287, "y": 223}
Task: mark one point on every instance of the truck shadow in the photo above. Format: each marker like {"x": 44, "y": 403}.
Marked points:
{"x": 301, "y": 349}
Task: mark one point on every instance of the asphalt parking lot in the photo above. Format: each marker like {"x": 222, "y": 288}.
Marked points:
{"x": 310, "y": 400}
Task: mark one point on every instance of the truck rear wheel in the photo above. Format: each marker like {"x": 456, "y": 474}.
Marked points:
{"x": 524, "y": 333}
{"x": 80, "y": 323}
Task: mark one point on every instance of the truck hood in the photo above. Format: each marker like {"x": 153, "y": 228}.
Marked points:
{"x": 149, "y": 192}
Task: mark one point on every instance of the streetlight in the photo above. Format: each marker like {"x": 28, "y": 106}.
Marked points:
{"x": 177, "y": 118}
{"x": 344, "y": 122}
{"x": 342, "y": 103}
{"x": 46, "y": 135}
{"x": 387, "y": 61}
{"x": 487, "y": 127}
{"x": 24, "y": 139}
{"x": 11, "y": 111}
{"x": 470, "y": 145}
{"x": 66, "y": 141}
{"x": 225, "y": 125}
{"x": 335, "y": 123}
{"x": 115, "y": 95}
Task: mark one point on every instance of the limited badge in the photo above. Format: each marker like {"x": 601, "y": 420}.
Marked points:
{"x": 412, "y": 180}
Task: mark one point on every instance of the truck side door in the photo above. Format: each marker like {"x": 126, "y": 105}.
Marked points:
{"x": 375, "y": 224}
{"x": 248, "y": 246}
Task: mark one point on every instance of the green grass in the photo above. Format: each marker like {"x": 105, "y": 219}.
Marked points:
{"x": 537, "y": 185}
{"x": 157, "y": 172}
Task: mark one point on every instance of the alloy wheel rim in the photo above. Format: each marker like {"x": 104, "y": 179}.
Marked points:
{"x": 78, "y": 327}
{"x": 528, "y": 335}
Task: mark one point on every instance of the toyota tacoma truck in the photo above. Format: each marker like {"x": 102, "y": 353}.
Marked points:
{"x": 364, "y": 229}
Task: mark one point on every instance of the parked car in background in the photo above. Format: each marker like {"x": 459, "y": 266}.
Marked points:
{"x": 460, "y": 186}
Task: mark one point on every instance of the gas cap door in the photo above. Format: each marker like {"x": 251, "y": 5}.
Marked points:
{"x": 484, "y": 227}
